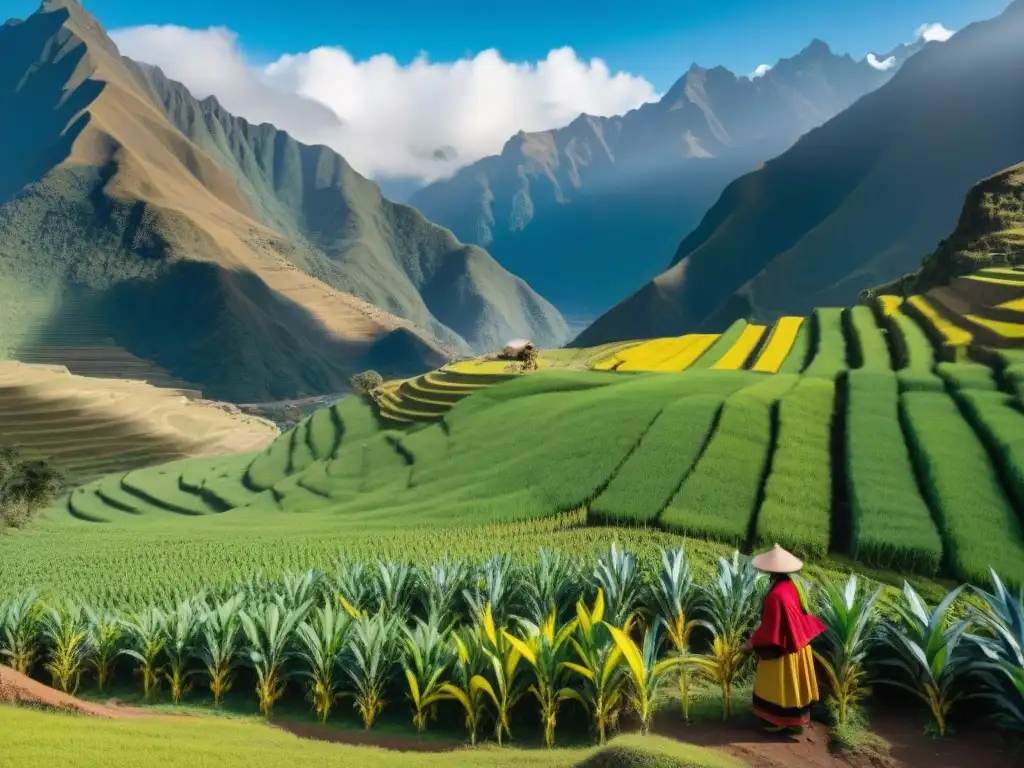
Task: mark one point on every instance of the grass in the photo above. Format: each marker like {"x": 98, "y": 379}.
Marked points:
{"x": 720, "y": 496}
{"x": 66, "y": 741}
{"x": 892, "y": 525}
{"x": 830, "y": 357}
{"x": 721, "y": 346}
{"x": 868, "y": 348}
{"x": 797, "y": 507}
{"x": 979, "y": 525}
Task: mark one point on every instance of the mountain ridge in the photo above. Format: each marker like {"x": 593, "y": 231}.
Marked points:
{"x": 600, "y": 204}
{"x": 853, "y": 203}
{"x": 102, "y": 194}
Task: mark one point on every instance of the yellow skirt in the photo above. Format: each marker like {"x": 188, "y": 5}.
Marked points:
{"x": 785, "y": 688}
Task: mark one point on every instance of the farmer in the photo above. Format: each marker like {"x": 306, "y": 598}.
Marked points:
{"x": 785, "y": 684}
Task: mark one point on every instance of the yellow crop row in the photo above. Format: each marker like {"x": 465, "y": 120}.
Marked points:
{"x": 779, "y": 345}
{"x": 480, "y": 366}
{"x": 1006, "y": 330}
{"x": 996, "y": 280}
{"x": 647, "y": 356}
{"x": 951, "y": 334}
{"x": 697, "y": 344}
{"x": 890, "y": 304}
{"x": 741, "y": 351}
{"x": 1016, "y": 305}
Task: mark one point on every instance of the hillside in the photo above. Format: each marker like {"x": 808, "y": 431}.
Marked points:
{"x": 140, "y": 220}
{"x": 854, "y": 203}
{"x": 88, "y": 427}
{"x": 990, "y": 230}
{"x": 587, "y": 211}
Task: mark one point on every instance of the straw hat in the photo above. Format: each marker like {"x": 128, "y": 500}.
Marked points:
{"x": 777, "y": 560}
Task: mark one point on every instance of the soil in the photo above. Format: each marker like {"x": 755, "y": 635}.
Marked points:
{"x": 909, "y": 746}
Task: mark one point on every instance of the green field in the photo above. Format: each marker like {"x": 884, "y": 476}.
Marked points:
{"x": 65, "y": 741}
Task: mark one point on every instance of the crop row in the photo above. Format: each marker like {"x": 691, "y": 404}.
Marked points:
{"x": 719, "y": 498}
{"x": 979, "y": 524}
{"x": 784, "y": 345}
{"x": 830, "y": 358}
{"x": 892, "y": 526}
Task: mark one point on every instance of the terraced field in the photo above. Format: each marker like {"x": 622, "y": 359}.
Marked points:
{"x": 845, "y": 434}
{"x": 89, "y": 427}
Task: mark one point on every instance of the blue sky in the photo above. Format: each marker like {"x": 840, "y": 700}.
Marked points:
{"x": 657, "y": 39}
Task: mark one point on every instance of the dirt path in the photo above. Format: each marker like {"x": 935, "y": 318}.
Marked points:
{"x": 740, "y": 737}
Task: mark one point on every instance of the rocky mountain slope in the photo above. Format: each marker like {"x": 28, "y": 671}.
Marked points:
{"x": 587, "y": 212}
{"x": 853, "y": 203}
{"x": 230, "y": 254}
{"x": 990, "y": 231}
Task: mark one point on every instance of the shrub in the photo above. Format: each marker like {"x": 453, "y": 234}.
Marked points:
{"x": 365, "y": 382}
{"x": 25, "y": 485}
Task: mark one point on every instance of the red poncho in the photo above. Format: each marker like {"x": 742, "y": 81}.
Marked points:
{"x": 784, "y": 624}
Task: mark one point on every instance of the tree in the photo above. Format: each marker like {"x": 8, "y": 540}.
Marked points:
{"x": 529, "y": 359}
{"x": 366, "y": 382}
{"x": 25, "y": 485}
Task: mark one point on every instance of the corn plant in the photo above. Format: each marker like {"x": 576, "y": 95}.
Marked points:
{"x": 647, "y": 672}
{"x": 673, "y": 597}
{"x": 427, "y": 655}
{"x": 320, "y": 642}
{"x": 395, "y": 587}
{"x": 371, "y": 654}
{"x": 599, "y": 664}
{"x": 219, "y": 644}
{"x": 269, "y": 630}
{"x": 851, "y": 619}
{"x": 180, "y": 628}
{"x": 1001, "y": 668}
{"x": 19, "y": 621}
{"x": 146, "y": 635}
{"x": 546, "y": 650}
{"x": 442, "y": 586}
{"x": 352, "y": 585}
{"x": 496, "y": 585}
{"x": 66, "y": 635}
{"x": 928, "y": 652}
{"x": 509, "y": 685}
{"x": 105, "y": 635}
{"x": 298, "y": 589}
{"x": 731, "y": 606}
{"x": 618, "y": 574}
{"x": 549, "y": 586}
{"x": 468, "y": 685}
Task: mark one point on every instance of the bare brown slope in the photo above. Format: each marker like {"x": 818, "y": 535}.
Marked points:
{"x": 103, "y": 194}
{"x": 854, "y": 202}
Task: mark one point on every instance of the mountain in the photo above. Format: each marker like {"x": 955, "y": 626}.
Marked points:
{"x": 853, "y": 203}
{"x": 228, "y": 253}
{"x": 990, "y": 229}
{"x": 586, "y": 211}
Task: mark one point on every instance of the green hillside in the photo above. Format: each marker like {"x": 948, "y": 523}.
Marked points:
{"x": 853, "y": 203}
{"x": 867, "y": 447}
{"x": 588, "y": 211}
{"x": 141, "y": 224}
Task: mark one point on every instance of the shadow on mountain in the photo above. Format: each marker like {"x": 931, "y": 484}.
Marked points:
{"x": 39, "y": 58}
{"x": 228, "y": 332}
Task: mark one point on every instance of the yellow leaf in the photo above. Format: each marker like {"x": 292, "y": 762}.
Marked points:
{"x": 524, "y": 650}
{"x": 578, "y": 669}
{"x": 489, "y": 626}
{"x": 414, "y": 687}
{"x": 598, "y": 613}
{"x": 630, "y": 653}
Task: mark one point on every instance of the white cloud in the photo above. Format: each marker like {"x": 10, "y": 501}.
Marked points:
{"x": 424, "y": 119}
{"x": 761, "y": 71}
{"x": 880, "y": 64}
{"x": 932, "y": 32}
